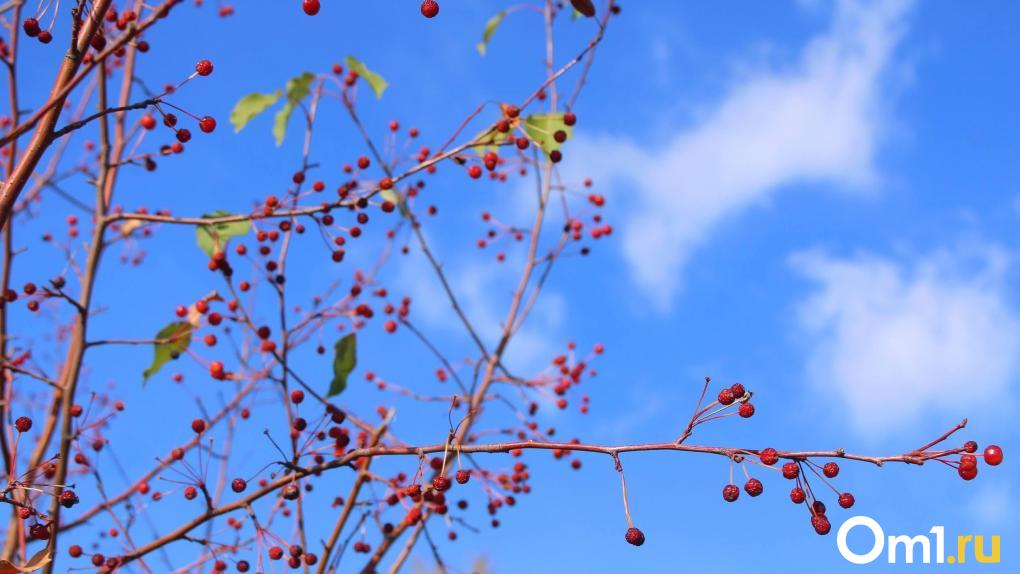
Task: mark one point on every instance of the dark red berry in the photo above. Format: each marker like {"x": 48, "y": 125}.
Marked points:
{"x": 768, "y": 456}
{"x": 818, "y": 506}
{"x": 68, "y": 498}
{"x": 738, "y": 390}
{"x": 830, "y": 469}
{"x": 967, "y": 472}
{"x": 311, "y": 7}
{"x": 204, "y": 67}
{"x": 238, "y": 485}
{"x": 198, "y": 425}
{"x": 846, "y": 500}
{"x": 753, "y": 487}
{"x": 970, "y": 446}
{"x": 797, "y": 495}
{"x": 634, "y": 536}
{"x": 31, "y": 27}
{"x": 730, "y": 492}
{"x": 429, "y": 8}
{"x": 23, "y": 424}
{"x": 441, "y": 483}
{"x": 39, "y": 531}
{"x": 463, "y": 476}
{"x": 746, "y": 410}
{"x": 821, "y": 524}
{"x": 791, "y": 470}
{"x": 725, "y": 397}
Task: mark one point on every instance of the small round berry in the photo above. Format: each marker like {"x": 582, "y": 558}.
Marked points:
{"x": 441, "y": 483}
{"x": 68, "y": 499}
{"x": 968, "y": 461}
{"x": 429, "y": 8}
{"x": 569, "y": 119}
{"x": 993, "y": 455}
{"x": 738, "y": 390}
{"x": 821, "y": 524}
{"x": 238, "y": 485}
{"x": 730, "y": 492}
{"x": 634, "y": 536}
{"x": 463, "y": 476}
{"x": 818, "y": 506}
{"x": 23, "y": 424}
{"x": 385, "y": 183}
{"x": 970, "y": 446}
{"x": 725, "y": 397}
{"x": 311, "y": 7}
{"x": 183, "y": 135}
{"x": 475, "y": 172}
{"x": 791, "y": 470}
{"x": 797, "y": 495}
{"x": 830, "y": 469}
{"x": 204, "y": 67}
{"x": 207, "y": 124}
{"x": 75, "y": 551}
{"x": 753, "y": 487}
{"x": 967, "y": 472}
{"x": 291, "y": 492}
{"x": 746, "y": 410}
{"x": 31, "y": 27}
{"x": 768, "y": 456}
{"x": 198, "y": 425}
{"x": 297, "y": 396}
{"x": 148, "y": 122}
{"x": 39, "y": 531}
{"x": 846, "y": 500}
{"x": 190, "y": 493}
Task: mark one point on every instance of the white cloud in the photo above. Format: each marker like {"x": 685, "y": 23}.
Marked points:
{"x": 895, "y": 342}
{"x": 818, "y": 121}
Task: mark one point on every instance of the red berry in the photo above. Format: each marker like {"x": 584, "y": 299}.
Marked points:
{"x": 970, "y": 446}
{"x": 768, "y": 456}
{"x": 296, "y": 396}
{"x": 830, "y": 469}
{"x": 68, "y": 498}
{"x": 385, "y": 183}
{"x": 441, "y": 483}
{"x": 797, "y": 495}
{"x": 198, "y": 425}
{"x": 429, "y": 8}
{"x": 463, "y": 476}
{"x": 968, "y": 461}
{"x": 31, "y": 27}
{"x": 967, "y": 472}
{"x": 791, "y": 470}
{"x": 39, "y": 531}
{"x": 204, "y": 67}
{"x": 738, "y": 390}
{"x": 730, "y": 492}
{"x": 993, "y": 455}
{"x": 75, "y": 551}
{"x": 45, "y": 37}
{"x": 311, "y": 7}
{"x": 753, "y": 487}
{"x": 746, "y": 410}
{"x": 569, "y": 119}
{"x": 821, "y": 524}
{"x": 207, "y": 124}
{"x": 818, "y": 506}
{"x": 725, "y": 397}
{"x": 634, "y": 536}
{"x": 475, "y": 172}
{"x": 846, "y": 500}
{"x": 238, "y": 485}
{"x": 23, "y": 424}
{"x": 183, "y": 135}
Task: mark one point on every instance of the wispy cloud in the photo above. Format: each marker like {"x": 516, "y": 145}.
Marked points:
{"x": 896, "y": 341}
{"x": 817, "y": 120}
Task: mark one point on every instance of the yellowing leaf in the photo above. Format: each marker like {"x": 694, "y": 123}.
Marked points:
{"x": 171, "y": 341}
{"x": 490, "y": 29}
{"x": 250, "y": 106}
{"x": 542, "y": 129}
{"x": 375, "y": 81}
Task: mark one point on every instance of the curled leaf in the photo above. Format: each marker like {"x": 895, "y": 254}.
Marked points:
{"x": 250, "y": 106}
{"x": 41, "y": 558}
{"x": 345, "y": 358}
{"x": 375, "y": 81}
{"x": 297, "y": 90}
{"x": 170, "y": 342}
{"x": 490, "y": 29}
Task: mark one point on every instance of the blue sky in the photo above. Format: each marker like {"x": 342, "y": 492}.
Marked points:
{"x": 816, "y": 199}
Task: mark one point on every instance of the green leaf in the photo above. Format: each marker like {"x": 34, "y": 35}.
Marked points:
{"x": 490, "y": 29}
{"x": 541, "y": 128}
{"x": 345, "y": 358}
{"x": 211, "y": 238}
{"x": 250, "y": 106}
{"x": 171, "y": 341}
{"x": 377, "y": 83}
{"x": 297, "y": 90}
{"x": 487, "y": 138}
